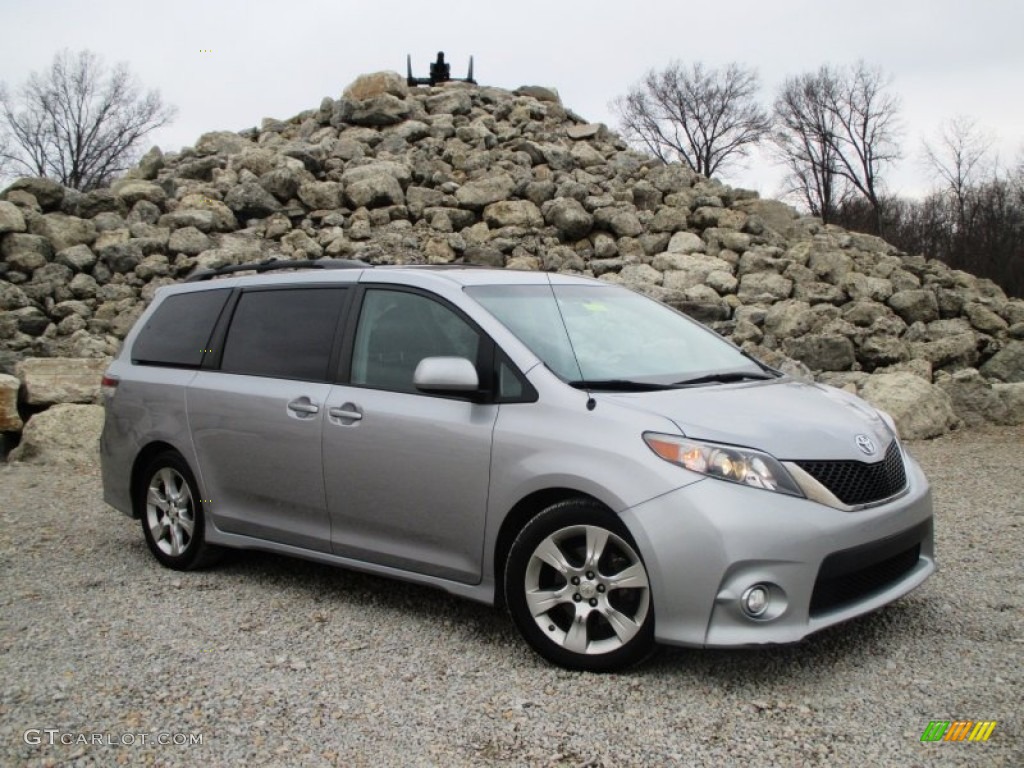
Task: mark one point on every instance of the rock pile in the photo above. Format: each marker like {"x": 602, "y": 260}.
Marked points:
{"x": 480, "y": 175}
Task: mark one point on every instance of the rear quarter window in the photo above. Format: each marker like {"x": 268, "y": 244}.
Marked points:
{"x": 179, "y": 330}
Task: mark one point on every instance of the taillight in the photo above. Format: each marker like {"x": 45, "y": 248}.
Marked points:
{"x": 108, "y": 385}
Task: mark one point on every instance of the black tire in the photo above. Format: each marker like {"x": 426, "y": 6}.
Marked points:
{"x": 173, "y": 521}
{"x": 573, "y": 626}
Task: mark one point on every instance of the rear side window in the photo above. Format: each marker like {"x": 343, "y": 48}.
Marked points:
{"x": 286, "y": 334}
{"x": 178, "y": 331}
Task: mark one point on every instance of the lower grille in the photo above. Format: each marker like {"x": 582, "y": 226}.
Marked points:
{"x": 852, "y": 574}
{"x": 855, "y": 483}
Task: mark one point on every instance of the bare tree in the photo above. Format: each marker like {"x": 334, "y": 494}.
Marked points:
{"x": 958, "y": 160}
{"x": 805, "y": 142}
{"x": 77, "y": 124}
{"x": 859, "y": 130}
{"x": 705, "y": 118}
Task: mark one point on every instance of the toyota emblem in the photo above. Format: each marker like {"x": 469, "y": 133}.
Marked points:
{"x": 866, "y": 444}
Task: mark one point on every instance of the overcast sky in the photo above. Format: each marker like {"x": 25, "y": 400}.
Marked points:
{"x": 274, "y": 59}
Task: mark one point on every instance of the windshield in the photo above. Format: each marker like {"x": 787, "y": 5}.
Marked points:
{"x": 618, "y": 336}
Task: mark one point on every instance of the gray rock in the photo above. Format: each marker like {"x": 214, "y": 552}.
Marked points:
{"x": 188, "y": 240}
{"x": 671, "y": 219}
{"x": 151, "y": 164}
{"x": 984, "y": 319}
{"x": 377, "y": 84}
{"x": 686, "y": 242}
{"x": 419, "y": 199}
{"x": 250, "y": 200}
{"x": 83, "y": 286}
{"x": 48, "y": 193}
{"x": 920, "y": 409}
{"x": 539, "y": 92}
{"x": 859, "y": 286}
{"x": 12, "y": 297}
{"x": 381, "y": 110}
{"x": 61, "y": 380}
{"x": 1011, "y": 397}
{"x": 1007, "y": 364}
{"x": 973, "y": 397}
{"x": 958, "y": 351}
{"x": 764, "y": 287}
{"x": 11, "y": 219}
{"x": 915, "y": 305}
{"x": 878, "y": 351}
{"x": 65, "y": 434}
{"x": 790, "y": 317}
{"x": 685, "y": 270}
{"x": 484, "y": 256}
{"x": 379, "y": 189}
{"x": 283, "y": 183}
{"x": 25, "y": 253}
{"x": 220, "y": 143}
{"x": 480, "y": 193}
{"x": 513, "y": 213}
{"x": 569, "y": 217}
{"x": 451, "y": 101}
{"x": 64, "y": 231}
{"x": 826, "y": 352}
{"x": 830, "y": 266}
{"x": 198, "y": 218}
{"x": 121, "y": 257}
{"x": 320, "y": 195}
{"x": 133, "y": 190}
{"x": 78, "y": 257}
{"x": 620, "y": 221}
{"x": 585, "y": 131}
{"x": 10, "y": 419}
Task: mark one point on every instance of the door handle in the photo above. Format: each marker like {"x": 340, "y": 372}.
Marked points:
{"x": 346, "y": 413}
{"x": 298, "y": 406}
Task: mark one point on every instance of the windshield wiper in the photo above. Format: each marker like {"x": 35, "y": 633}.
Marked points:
{"x": 725, "y": 378}
{"x": 620, "y": 385}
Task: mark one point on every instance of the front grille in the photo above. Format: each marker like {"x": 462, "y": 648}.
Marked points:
{"x": 847, "y": 576}
{"x": 855, "y": 482}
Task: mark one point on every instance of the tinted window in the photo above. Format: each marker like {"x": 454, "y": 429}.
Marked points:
{"x": 287, "y": 334}
{"x": 179, "y": 330}
{"x": 397, "y": 330}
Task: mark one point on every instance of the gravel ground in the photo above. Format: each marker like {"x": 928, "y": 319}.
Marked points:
{"x": 272, "y": 661}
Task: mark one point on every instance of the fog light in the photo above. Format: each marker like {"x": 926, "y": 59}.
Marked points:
{"x": 755, "y": 600}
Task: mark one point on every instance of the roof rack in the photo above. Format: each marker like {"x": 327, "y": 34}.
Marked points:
{"x": 272, "y": 264}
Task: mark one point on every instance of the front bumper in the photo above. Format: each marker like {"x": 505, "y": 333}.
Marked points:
{"x": 704, "y": 545}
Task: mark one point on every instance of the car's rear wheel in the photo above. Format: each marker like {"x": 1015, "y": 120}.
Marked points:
{"x": 578, "y": 590}
{"x": 172, "y": 514}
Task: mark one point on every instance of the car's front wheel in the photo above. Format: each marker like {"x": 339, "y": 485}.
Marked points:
{"x": 578, "y": 590}
{"x": 172, "y": 514}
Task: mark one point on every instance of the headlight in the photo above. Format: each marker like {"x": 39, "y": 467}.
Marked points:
{"x": 724, "y": 462}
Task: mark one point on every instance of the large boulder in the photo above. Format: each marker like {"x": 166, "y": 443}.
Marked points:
{"x": 569, "y": 217}
{"x": 11, "y": 219}
{"x": 1007, "y": 364}
{"x": 377, "y": 84}
{"x": 65, "y": 434}
{"x": 480, "y": 193}
{"x": 50, "y": 380}
{"x": 921, "y": 410}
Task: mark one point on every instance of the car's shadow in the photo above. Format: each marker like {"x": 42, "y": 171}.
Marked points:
{"x": 891, "y": 632}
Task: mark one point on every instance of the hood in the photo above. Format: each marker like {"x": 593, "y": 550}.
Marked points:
{"x": 789, "y": 419}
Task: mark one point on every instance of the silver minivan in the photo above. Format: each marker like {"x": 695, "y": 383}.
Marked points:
{"x": 613, "y": 472}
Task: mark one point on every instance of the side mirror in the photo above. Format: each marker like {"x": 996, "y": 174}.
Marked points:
{"x": 446, "y": 375}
